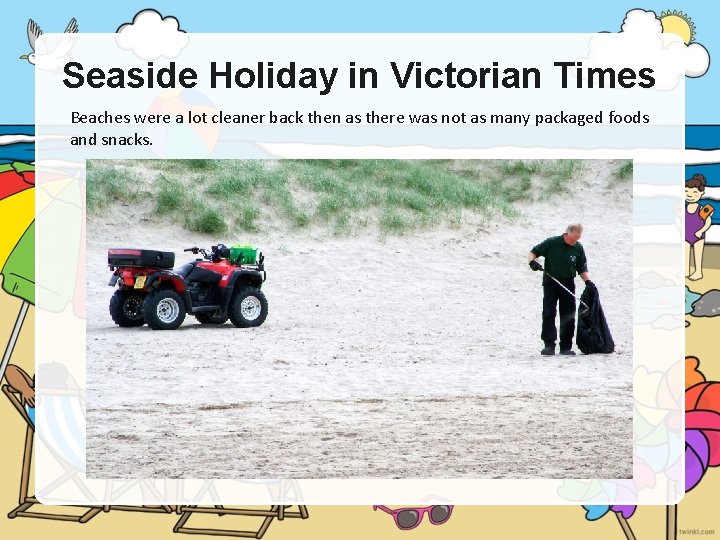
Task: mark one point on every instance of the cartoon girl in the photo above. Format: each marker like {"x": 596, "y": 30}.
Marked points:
{"x": 697, "y": 222}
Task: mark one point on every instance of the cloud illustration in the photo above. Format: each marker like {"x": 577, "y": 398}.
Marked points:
{"x": 151, "y": 36}
{"x": 667, "y": 322}
{"x": 642, "y": 42}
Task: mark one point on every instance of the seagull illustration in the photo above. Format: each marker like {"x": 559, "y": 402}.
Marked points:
{"x": 49, "y": 60}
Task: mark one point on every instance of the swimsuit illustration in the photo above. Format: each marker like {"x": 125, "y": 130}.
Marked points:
{"x": 693, "y": 224}
{"x": 697, "y": 222}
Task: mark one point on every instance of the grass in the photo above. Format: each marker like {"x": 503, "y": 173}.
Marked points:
{"x": 404, "y": 194}
{"x": 624, "y": 171}
{"x": 559, "y": 176}
{"x": 395, "y": 222}
{"x": 555, "y": 174}
{"x": 107, "y": 184}
{"x": 525, "y": 180}
{"x": 247, "y": 216}
{"x": 206, "y": 219}
{"x": 171, "y": 195}
{"x": 394, "y": 196}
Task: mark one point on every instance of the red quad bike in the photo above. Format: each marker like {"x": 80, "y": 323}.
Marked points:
{"x": 224, "y": 284}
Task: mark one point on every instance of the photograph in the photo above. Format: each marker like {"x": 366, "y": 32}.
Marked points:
{"x": 359, "y": 319}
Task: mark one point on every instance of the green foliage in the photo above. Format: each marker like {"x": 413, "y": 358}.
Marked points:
{"x": 171, "y": 195}
{"x": 391, "y": 196}
{"x": 107, "y": 184}
{"x": 206, "y": 220}
{"x": 624, "y": 171}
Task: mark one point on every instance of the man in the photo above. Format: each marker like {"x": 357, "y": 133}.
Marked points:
{"x": 564, "y": 258}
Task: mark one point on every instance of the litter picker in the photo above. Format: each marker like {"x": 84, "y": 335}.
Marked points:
{"x": 563, "y": 286}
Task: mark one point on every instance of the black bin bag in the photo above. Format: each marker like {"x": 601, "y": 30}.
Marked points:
{"x": 593, "y": 334}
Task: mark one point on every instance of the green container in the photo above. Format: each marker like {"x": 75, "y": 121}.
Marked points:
{"x": 243, "y": 254}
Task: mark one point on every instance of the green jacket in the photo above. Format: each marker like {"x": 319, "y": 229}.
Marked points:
{"x": 562, "y": 261}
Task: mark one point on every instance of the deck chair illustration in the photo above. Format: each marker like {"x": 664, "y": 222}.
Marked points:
{"x": 117, "y": 488}
{"x": 27, "y": 501}
{"x": 62, "y": 426}
{"x": 61, "y": 429}
{"x": 276, "y": 511}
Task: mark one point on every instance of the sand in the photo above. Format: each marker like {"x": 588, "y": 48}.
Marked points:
{"x": 405, "y": 357}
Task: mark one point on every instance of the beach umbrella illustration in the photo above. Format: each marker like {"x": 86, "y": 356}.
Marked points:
{"x": 61, "y": 200}
{"x": 18, "y": 268}
{"x": 15, "y": 177}
{"x": 702, "y": 446}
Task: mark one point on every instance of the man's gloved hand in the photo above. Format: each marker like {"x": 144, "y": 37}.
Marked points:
{"x": 535, "y": 265}
{"x": 589, "y": 283}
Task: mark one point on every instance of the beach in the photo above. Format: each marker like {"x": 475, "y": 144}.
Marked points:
{"x": 410, "y": 356}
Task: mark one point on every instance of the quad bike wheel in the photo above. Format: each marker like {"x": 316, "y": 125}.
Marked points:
{"x": 126, "y": 308}
{"x": 164, "y": 309}
{"x": 248, "y": 307}
{"x": 211, "y": 317}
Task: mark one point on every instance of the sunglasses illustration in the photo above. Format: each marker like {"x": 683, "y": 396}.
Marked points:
{"x": 409, "y": 518}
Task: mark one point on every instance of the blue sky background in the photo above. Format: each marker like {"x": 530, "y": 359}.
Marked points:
{"x": 17, "y": 81}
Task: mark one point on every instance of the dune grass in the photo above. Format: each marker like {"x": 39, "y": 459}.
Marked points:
{"x": 107, "y": 184}
{"x": 555, "y": 175}
{"x": 624, "y": 171}
{"x": 523, "y": 180}
{"x": 405, "y": 195}
{"x": 206, "y": 219}
{"x": 395, "y": 196}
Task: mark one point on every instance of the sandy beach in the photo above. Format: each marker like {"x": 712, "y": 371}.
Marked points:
{"x": 413, "y": 356}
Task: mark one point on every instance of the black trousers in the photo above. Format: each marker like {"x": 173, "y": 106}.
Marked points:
{"x": 553, "y": 295}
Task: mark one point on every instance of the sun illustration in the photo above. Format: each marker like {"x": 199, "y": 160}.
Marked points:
{"x": 677, "y": 22}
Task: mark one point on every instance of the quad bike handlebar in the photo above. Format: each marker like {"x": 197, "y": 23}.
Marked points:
{"x": 195, "y": 250}
{"x": 221, "y": 251}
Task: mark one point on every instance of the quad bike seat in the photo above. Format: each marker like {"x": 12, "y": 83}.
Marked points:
{"x": 185, "y": 269}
